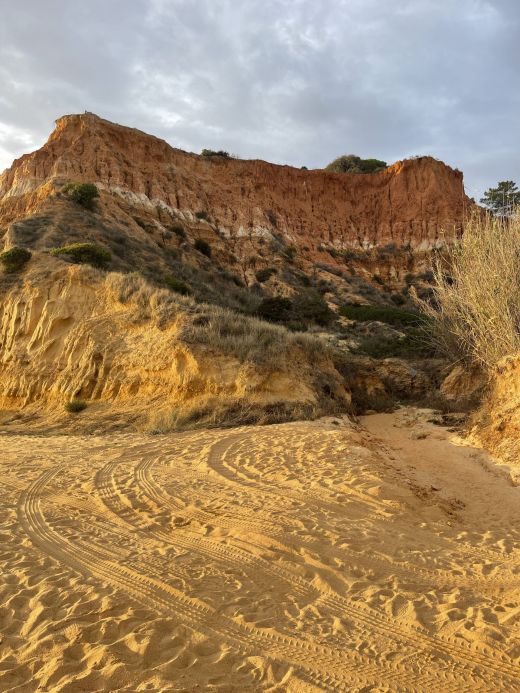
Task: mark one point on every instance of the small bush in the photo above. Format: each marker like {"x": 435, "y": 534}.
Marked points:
{"x": 262, "y": 275}
{"x": 202, "y": 215}
{"x": 177, "y": 285}
{"x": 310, "y": 306}
{"x": 203, "y": 247}
{"x": 82, "y": 194}
{"x": 415, "y": 343}
{"x": 74, "y": 406}
{"x": 353, "y": 254}
{"x": 275, "y": 309}
{"x": 388, "y": 314}
{"x": 178, "y": 230}
{"x": 350, "y": 163}
{"x": 84, "y": 253}
{"x": 15, "y": 258}
{"x": 212, "y": 152}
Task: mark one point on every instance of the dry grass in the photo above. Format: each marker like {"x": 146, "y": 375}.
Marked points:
{"x": 477, "y": 319}
{"x": 219, "y": 329}
{"x": 229, "y": 412}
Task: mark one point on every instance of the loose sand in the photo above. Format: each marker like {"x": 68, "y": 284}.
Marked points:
{"x": 298, "y": 557}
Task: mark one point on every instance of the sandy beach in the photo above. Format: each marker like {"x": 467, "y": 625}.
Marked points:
{"x": 311, "y": 556}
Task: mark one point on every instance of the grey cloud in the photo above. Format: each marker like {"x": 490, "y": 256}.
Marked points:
{"x": 291, "y": 81}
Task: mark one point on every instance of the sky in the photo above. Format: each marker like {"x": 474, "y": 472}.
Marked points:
{"x": 295, "y": 82}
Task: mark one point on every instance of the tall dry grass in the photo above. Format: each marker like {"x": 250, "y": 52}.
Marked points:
{"x": 209, "y": 326}
{"x": 477, "y": 316}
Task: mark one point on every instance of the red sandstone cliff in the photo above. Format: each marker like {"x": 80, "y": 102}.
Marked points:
{"x": 416, "y": 202}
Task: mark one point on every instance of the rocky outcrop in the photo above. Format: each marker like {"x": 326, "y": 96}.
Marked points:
{"x": 418, "y": 202}
{"x": 496, "y": 425}
{"x": 71, "y": 331}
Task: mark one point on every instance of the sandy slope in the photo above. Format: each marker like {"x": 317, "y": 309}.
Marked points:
{"x": 298, "y": 557}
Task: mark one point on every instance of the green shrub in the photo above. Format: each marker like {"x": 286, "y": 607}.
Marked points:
{"x": 350, "y": 163}
{"x": 75, "y": 405}
{"x": 203, "y": 247}
{"x": 15, "y": 258}
{"x": 415, "y": 343}
{"x": 275, "y": 309}
{"x": 265, "y": 273}
{"x": 202, "y": 215}
{"x": 84, "y": 253}
{"x": 177, "y": 285}
{"x": 83, "y": 194}
{"x": 212, "y": 152}
{"x": 388, "y": 314}
{"x": 310, "y": 306}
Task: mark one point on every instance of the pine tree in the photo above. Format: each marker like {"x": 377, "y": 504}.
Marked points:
{"x": 502, "y": 200}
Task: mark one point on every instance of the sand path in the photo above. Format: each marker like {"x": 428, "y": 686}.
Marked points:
{"x": 321, "y": 556}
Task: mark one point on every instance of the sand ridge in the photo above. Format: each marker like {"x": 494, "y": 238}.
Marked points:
{"x": 306, "y": 556}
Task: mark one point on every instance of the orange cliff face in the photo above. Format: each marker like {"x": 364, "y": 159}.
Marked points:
{"x": 416, "y": 202}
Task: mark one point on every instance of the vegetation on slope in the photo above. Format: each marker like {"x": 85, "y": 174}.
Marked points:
{"x": 15, "y": 258}
{"x": 84, "y": 253}
{"x": 383, "y": 313}
{"x": 83, "y": 194}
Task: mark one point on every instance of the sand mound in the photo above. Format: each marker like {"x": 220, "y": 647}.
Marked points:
{"x": 298, "y": 557}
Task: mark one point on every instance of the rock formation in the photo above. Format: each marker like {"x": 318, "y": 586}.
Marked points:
{"x": 417, "y": 202}
{"x": 65, "y": 333}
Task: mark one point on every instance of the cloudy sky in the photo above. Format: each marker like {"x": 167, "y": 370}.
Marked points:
{"x": 290, "y": 81}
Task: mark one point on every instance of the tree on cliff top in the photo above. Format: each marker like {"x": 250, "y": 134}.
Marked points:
{"x": 351, "y": 163}
{"x": 502, "y": 200}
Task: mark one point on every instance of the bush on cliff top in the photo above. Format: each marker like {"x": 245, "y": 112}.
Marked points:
{"x": 84, "y": 253}
{"x": 83, "y": 194}
{"x": 15, "y": 258}
{"x": 350, "y": 163}
{"x": 213, "y": 152}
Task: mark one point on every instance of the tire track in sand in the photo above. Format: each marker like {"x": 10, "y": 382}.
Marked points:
{"x": 324, "y": 666}
{"x": 474, "y": 663}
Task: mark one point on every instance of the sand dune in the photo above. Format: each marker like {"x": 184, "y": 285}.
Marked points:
{"x": 316, "y": 556}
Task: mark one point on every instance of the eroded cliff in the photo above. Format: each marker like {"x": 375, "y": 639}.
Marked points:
{"x": 71, "y": 331}
{"x": 416, "y": 202}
